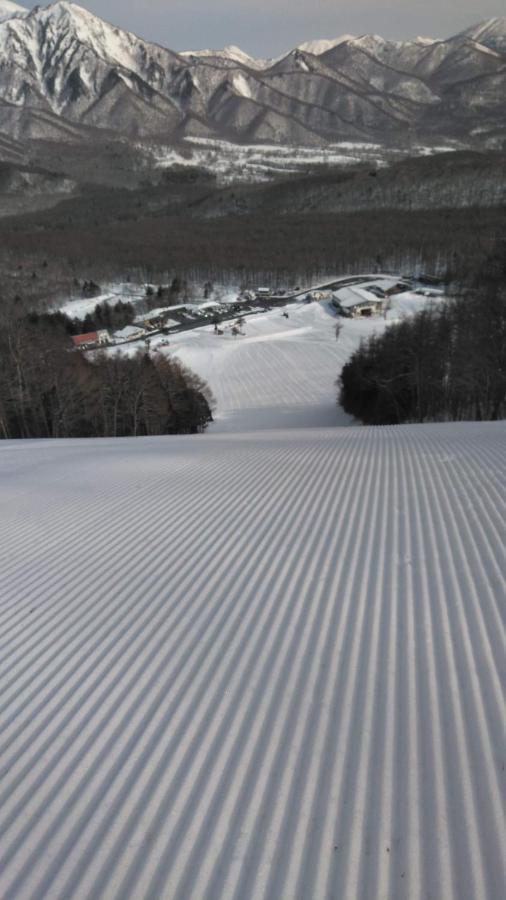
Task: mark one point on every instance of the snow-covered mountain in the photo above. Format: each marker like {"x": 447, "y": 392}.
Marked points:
{"x": 318, "y": 47}
{"x": 232, "y": 53}
{"x": 8, "y": 10}
{"x": 491, "y": 33}
{"x": 64, "y": 68}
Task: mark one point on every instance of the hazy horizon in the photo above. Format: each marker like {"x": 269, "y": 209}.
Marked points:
{"x": 271, "y": 27}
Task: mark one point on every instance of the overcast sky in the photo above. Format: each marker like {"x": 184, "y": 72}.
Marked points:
{"x": 268, "y": 27}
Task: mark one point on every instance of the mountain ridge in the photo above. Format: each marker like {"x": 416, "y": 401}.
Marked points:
{"x": 8, "y": 8}
{"x": 65, "y": 61}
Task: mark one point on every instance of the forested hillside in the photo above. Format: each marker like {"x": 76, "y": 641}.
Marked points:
{"x": 49, "y": 391}
{"x": 446, "y": 363}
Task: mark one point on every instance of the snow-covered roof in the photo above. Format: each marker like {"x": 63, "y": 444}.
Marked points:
{"x": 154, "y": 313}
{"x": 128, "y": 331}
{"x": 177, "y": 306}
{"x": 385, "y": 284}
{"x": 351, "y": 296}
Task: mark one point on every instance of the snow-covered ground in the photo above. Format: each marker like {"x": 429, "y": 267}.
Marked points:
{"x": 261, "y": 162}
{"x": 259, "y": 664}
{"x": 254, "y": 665}
{"x": 78, "y": 307}
{"x": 282, "y": 371}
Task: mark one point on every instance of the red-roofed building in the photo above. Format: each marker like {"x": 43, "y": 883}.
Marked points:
{"x": 91, "y": 339}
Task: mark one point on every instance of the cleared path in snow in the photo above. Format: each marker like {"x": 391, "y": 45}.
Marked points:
{"x": 280, "y": 374}
{"x": 254, "y": 665}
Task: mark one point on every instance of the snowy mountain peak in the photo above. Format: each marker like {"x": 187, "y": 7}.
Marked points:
{"x": 491, "y": 33}
{"x": 496, "y": 25}
{"x": 65, "y": 22}
{"x": 87, "y": 27}
{"x": 64, "y": 60}
{"x": 9, "y": 10}
{"x": 368, "y": 42}
{"x": 318, "y": 47}
{"x": 62, "y": 10}
{"x": 239, "y": 55}
{"x": 230, "y": 52}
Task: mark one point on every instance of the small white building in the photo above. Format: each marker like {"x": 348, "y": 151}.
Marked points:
{"x": 357, "y": 302}
{"x": 156, "y": 319}
{"x": 128, "y": 333}
{"x": 386, "y": 287}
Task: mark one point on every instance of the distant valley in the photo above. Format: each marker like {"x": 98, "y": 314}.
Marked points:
{"x": 117, "y": 154}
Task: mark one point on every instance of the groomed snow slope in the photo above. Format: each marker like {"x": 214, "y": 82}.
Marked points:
{"x": 281, "y": 373}
{"x": 254, "y": 665}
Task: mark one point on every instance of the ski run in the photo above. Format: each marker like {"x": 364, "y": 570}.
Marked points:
{"x": 266, "y": 662}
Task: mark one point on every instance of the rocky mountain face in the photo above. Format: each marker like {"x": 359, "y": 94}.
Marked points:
{"x": 65, "y": 72}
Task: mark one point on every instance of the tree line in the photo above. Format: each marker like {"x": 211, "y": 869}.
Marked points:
{"x": 49, "y": 391}
{"x": 264, "y": 248}
{"x": 447, "y": 363}
{"x": 105, "y": 315}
